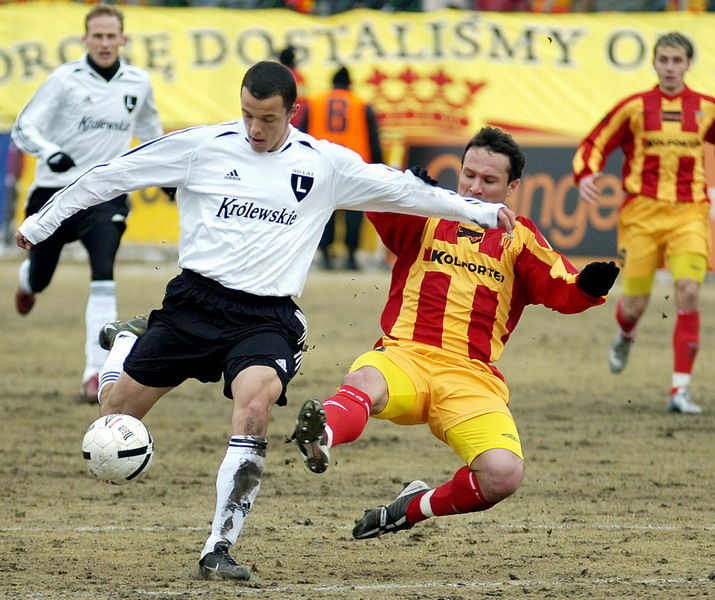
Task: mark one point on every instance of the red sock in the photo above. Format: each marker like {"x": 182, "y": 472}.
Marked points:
{"x": 459, "y": 495}
{"x": 686, "y": 340}
{"x": 347, "y": 413}
{"x": 627, "y": 327}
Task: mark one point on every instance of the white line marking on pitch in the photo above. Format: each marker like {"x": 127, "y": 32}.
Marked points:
{"x": 548, "y": 583}
{"x": 514, "y": 527}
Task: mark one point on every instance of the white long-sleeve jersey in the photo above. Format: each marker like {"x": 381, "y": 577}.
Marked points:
{"x": 252, "y": 220}
{"x": 78, "y": 112}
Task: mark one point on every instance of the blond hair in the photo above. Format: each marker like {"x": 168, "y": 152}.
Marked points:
{"x": 104, "y": 10}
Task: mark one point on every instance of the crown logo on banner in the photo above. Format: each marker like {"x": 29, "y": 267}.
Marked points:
{"x": 428, "y": 104}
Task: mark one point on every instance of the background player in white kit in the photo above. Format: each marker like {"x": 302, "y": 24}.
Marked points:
{"x": 84, "y": 113}
{"x": 253, "y": 198}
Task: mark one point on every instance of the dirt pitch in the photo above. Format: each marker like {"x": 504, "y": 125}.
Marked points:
{"x": 617, "y": 500}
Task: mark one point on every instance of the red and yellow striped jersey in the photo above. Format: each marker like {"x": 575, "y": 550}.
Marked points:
{"x": 463, "y": 289}
{"x": 662, "y": 138}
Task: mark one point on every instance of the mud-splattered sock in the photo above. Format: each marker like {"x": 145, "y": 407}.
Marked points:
{"x": 237, "y": 485}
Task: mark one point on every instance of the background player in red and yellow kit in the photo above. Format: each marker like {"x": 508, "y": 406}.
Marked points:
{"x": 665, "y": 213}
{"x": 456, "y": 295}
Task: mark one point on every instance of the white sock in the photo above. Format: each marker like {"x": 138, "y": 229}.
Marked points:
{"x": 237, "y": 485}
{"x": 109, "y": 373}
{"x": 681, "y": 380}
{"x": 630, "y": 336}
{"x": 101, "y": 309}
{"x": 23, "y": 276}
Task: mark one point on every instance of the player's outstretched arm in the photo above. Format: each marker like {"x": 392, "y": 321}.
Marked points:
{"x": 506, "y": 219}
{"x": 421, "y": 173}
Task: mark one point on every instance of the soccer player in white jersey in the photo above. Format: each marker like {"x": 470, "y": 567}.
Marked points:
{"x": 84, "y": 113}
{"x": 253, "y": 198}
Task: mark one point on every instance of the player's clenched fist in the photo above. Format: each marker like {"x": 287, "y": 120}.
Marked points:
{"x": 597, "y": 278}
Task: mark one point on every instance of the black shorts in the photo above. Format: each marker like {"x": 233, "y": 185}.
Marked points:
{"x": 204, "y": 330}
{"x": 112, "y": 214}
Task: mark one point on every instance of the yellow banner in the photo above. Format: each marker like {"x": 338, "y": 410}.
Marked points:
{"x": 433, "y": 77}
{"x": 550, "y": 73}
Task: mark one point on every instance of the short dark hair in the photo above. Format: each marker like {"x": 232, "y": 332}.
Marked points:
{"x": 266, "y": 79}
{"x": 674, "y": 40}
{"x": 494, "y": 139}
{"x": 287, "y": 57}
{"x": 341, "y": 78}
{"x": 104, "y": 10}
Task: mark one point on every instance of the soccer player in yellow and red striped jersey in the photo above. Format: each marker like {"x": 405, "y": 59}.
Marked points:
{"x": 457, "y": 293}
{"x": 664, "y": 216}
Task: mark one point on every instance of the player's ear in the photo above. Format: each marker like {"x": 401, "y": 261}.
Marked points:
{"x": 293, "y": 111}
{"x": 512, "y": 187}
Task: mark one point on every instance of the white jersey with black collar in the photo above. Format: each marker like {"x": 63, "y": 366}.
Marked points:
{"x": 252, "y": 220}
{"x": 80, "y": 113}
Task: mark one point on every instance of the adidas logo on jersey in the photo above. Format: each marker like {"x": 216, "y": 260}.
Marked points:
{"x": 281, "y": 362}
{"x": 233, "y": 175}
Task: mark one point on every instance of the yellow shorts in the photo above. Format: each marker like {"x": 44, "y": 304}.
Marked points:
{"x": 493, "y": 430}
{"x": 649, "y": 232}
{"x": 464, "y": 403}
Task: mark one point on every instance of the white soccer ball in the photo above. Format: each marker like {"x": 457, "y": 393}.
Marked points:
{"x": 117, "y": 448}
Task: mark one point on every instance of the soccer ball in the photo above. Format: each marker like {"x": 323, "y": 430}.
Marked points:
{"x": 117, "y": 448}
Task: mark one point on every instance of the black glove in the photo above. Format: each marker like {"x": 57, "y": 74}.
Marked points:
{"x": 171, "y": 192}
{"x": 597, "y": 278}
{"x": 422, "y": 174}
{"x": 60, "y": 162}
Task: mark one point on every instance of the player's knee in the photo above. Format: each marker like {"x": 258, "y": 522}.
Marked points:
{"x": 359, "y": 378}
{"x": 634, "y": 307}
{"x": 500, "y": 475}
{"x": 257, "y": 405}
{"x": 688, "y": 292}
{"x": 369, "y": 380}
{"x": 502, "y": 485}
{"x": 39, "y": 284}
